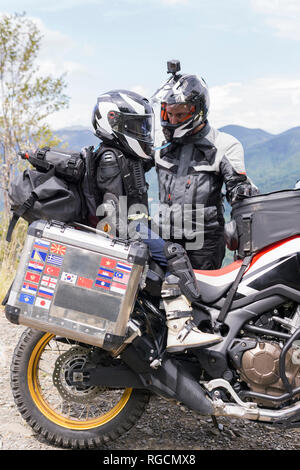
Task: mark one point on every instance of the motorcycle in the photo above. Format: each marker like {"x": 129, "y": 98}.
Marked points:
{"x": 79, "y": 395}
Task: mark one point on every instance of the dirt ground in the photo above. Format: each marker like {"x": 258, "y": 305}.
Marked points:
{"x": 164, "y": 425}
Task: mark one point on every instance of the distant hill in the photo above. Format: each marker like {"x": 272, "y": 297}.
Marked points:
{"x": 246, "y": 136}
{"x": 77, "y": 137}
{"x": 272, "y": 160}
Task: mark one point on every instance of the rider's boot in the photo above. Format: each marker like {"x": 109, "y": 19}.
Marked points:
{"x": 182, "y": 331}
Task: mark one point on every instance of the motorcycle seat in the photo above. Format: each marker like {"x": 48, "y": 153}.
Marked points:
{"x": 214, "y": 284}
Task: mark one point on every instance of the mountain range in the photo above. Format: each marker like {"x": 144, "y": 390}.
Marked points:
{"x": 272, "y": 160}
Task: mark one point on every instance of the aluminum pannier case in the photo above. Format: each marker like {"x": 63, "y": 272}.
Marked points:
{"x": 265, "y": 219}
{"x": 77, "y": 283}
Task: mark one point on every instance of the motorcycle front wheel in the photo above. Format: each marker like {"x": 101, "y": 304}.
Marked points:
{"x": 68, "y": 416}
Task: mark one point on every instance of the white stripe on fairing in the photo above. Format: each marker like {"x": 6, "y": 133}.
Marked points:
{"x": 288, "y": 248}
{"x": 136, "y": 106}
{"x": 246, "y": 290}
{"x": 136, "y": 147}
{"x": 218, "y": 280}
{"x": 243, "y": 286}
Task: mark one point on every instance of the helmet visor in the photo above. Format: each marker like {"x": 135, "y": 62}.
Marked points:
{"x": 140, "y": 127}
{"x": 177, "y": 113}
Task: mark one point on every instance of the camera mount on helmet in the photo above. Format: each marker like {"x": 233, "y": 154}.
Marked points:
{"x": 173, "y": 67}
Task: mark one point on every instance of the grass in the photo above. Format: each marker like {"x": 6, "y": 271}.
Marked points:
{"x": 10, "y": 252}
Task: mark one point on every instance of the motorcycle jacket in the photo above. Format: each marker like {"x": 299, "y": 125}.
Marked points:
{"x": 111, "y": 174}
{"x": 191, "y": 173}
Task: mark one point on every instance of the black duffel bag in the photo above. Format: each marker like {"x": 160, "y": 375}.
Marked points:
{"x": 35, "y": 195}
{"x": 66, "y": 164}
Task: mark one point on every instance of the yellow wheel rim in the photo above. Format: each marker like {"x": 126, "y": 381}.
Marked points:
{"x": 43, "y": 405}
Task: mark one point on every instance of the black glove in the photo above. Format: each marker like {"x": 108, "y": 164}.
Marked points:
{"x": 242, "y": 192}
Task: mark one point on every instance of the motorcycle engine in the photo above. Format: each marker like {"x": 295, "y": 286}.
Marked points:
{"x": 260, "y": 370}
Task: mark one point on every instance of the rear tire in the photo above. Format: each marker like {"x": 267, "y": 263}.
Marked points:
{"x": 66, "y": 416}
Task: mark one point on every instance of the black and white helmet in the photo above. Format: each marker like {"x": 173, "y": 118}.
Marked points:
{"x": 125, "y": 119}
{"x": 189, "y": 90}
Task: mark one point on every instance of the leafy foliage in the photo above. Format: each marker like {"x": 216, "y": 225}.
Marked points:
{"x": 10, "y": 252}
{"x": 26, "y": 98}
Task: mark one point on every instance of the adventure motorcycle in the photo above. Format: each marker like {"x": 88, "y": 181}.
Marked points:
{"x": 80, "y": 395}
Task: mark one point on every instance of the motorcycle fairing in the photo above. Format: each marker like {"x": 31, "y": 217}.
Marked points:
{"x": 215, "y": 283}
{"x": 277, "y": 265}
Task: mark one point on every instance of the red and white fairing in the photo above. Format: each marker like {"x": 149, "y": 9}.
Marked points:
{"x": 268, "y": 265}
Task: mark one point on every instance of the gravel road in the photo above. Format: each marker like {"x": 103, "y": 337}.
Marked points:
{"x": 164, "y": 426}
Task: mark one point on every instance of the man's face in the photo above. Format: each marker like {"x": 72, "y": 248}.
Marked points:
{"x": 178, "y": 113}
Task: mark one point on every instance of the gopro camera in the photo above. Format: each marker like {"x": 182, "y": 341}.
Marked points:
{"x": 173, "y": 66}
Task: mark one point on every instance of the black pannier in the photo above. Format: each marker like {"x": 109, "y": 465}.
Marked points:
{"x": 54, "y": 190}
{"x": 264, "y": 219}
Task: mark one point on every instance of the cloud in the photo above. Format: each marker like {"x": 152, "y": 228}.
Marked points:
{"x": 57, "y": 6}
{"x": 46, "y": 6}
{"x": 54, "y": 43}
{"x": 281, "y": 15}
{"x": 175, "y": 2}
{"x": 269, "y": 103}
{"x": 55, "y": 53}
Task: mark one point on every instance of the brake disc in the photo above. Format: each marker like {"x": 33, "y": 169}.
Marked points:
{"x": 68, "y": 363}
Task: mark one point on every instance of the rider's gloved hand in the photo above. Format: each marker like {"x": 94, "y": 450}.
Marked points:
{"x": 243, "y": 191}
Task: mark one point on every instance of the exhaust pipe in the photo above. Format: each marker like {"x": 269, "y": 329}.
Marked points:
{"x": 256, "y": 414}
{"x": 247, "y": 410}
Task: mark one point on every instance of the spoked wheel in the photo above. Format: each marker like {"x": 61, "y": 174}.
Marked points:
{"x": 68, "y": 415}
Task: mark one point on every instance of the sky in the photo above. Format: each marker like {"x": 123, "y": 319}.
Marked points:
{"x": 248, "y": 52}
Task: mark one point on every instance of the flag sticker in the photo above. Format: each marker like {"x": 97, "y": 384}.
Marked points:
{"x": 58, "y": 249}
{"x": 45, "y": 292}
{"x": 121, "y": 277}
{"x": 29, "y": 288}
{"x": 43, "y": 303}
{"x": 124, "y": 267}
{"x": 106, "y": 273}
{"x": 108, "y": 262}
{"x": 85, "y": 282}
{"x": 103, "y": 284}
{"x": 38, "y": 255}
{"x": 27, "y": 299}
{"x": 32, "y": 277}
{"x": 56, "y": 260}
{"x": 117, "y": 287}
{"x": 41, "y": 244}
{"x": 35, "y": 266}
{"x": 69, "y": 277}
{"x": 48, "y": 281}
{"x": 51, "y": 270}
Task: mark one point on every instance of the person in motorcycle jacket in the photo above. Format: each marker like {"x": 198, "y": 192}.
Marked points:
{"x": 192, "y": 166}
{"x": 115, "y": 187}
{"x": 195, "y": 164}
{"x": 123, "y": 120}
